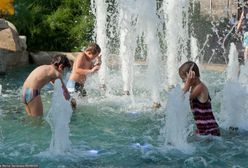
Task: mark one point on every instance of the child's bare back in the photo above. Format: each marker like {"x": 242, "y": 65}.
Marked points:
{"x": 41, "y": 76}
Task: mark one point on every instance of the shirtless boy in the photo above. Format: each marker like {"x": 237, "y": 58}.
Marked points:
{"x": 83, "y": 66}
{"x": 40, "y": 77}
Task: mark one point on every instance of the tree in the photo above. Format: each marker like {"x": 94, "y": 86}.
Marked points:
{"x": 62, "y": 25}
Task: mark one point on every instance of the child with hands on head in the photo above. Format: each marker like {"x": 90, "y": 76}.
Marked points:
{"x": 200, "y": 101}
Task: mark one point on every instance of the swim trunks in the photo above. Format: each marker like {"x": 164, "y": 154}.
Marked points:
{"x": 29, "y": 94}
{"x": 75, "y": 87}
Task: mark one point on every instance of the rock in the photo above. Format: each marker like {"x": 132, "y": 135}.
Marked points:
{"x": 11, "y": 59}
{"x": 44, "y": 57}
{"x": 3, "y": 24}
{"x": 23, "y": 42}
{"x": 12, "y": 47}
{"x": 9, "y": 37}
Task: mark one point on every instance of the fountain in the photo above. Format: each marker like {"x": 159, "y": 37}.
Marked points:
{"x": 176, "y": 126}
{"x": 233, "y": 90}
{"x": 100, "y": 10}
{"x": 176, "y": 36}
{"x": 127, "y": 18}
{"x": 147, "y": 25}
{"x": 111, "y": 130}
{"x": 59, "y": 117}
{"x": 194, "y": 50}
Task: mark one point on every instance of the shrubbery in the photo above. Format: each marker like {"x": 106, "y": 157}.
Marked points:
{"x": 62, "y": 25}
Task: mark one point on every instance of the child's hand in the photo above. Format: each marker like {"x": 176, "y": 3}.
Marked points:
{"x": 98, "y": 60}
{"x": 190, "y": 77}
{"x": 95, "y": 68}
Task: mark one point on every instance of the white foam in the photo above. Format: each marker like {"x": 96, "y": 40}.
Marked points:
{"x": 176, "y": 126}
{"x": 59, "y": 117}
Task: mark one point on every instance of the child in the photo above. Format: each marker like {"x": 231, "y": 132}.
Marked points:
{"x": 40, "y": 77}
{"x": 200, "y": 101}
{"x": 83, "y": 66}
{"x": 243, "y": 25}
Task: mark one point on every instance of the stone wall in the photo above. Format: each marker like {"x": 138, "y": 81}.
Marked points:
{"x": 218, "y": 8}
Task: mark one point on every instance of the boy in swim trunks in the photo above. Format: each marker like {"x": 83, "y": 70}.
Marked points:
{"x": 83, "y": 66}
{"x": 39, "y": 77}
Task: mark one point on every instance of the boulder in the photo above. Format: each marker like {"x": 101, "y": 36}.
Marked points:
{"x": 9, "y": 37}
{"x": 45, "y": 57}
{"x": 12, "y": 47}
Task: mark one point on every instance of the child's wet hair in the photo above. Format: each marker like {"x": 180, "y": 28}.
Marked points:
{"x": 61, "y": 59}
{"x": 187, "y": 66}
{"x": 93, "y": 48}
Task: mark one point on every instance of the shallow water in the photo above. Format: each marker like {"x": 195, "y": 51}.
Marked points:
{"x": 112, "y": 130}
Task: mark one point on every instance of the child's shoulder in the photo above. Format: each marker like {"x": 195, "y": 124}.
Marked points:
{"x": 81, "y": 54}
{"x": 200, "y": 87}
{"x": 42, "y": 67}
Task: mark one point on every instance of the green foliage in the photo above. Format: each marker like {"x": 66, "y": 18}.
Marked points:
{"x": 62, "y": 25}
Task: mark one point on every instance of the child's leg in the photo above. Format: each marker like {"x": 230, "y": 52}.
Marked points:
{"x": 35, "y": 107}
{"x": 27, "y": 110}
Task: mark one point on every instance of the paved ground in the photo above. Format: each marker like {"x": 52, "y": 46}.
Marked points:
{"x": 215, "y": 67}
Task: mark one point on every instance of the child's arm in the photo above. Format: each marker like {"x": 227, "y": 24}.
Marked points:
{"x": 65, "y": 91}
{"x": 83, "y": 71}
{"x": 240, "y": 22}
{"x": 190, "y": 78}
{"x": 196, "y": 92}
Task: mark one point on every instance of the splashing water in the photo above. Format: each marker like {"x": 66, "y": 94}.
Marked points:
{"x": 0, "y": 89}
{"x": 147, "y": 23}
{"x": 58, "y": 118}
{"x": 177, "y": 123}
{"x": 101, "y": 36}
{"x": 233, "y": 109}
{"x": 127, "y": 17}
{"x": 243, "y": 76}
{"x": 176, "y": 35}
{"x": 194, "y": 50}
{"x": 233, "y": 64}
